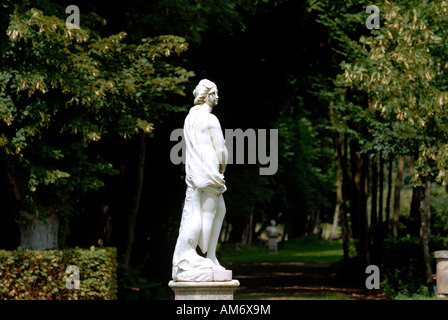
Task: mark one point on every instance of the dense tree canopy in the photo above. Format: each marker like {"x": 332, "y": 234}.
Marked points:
{"x": 86, "y": 116}
{"x": 63, "y": 90}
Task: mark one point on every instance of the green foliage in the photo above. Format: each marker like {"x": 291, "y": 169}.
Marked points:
{"x": 40, "y": 275}
{"x": 392, "y": 93}
{"x": 303, "y": 171}
{"x": 403, "y": 71}
{"x": 344, "y": 21}
{"x": 190, "y": 19}
{"x": 439, "y": 210}
{"x": 403, "y": 271}
{"x": 64, "y": 90}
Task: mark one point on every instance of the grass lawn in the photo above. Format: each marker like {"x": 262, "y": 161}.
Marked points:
{"x": 296, "y": 250}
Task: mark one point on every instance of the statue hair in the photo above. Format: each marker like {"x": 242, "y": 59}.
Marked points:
{"x": 201, "y": 91}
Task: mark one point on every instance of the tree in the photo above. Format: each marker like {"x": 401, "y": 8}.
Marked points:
{"x": 390, "y": 95}
{"x": 405, "y": 74}
{"x": 340, "y": 208}
{"x": 130, "y": 236}
{"x": 63, "y": 91}
{"x": 302, "y": 183}
{"x": 349, "y": 111}
{"x": 397, "y": 192}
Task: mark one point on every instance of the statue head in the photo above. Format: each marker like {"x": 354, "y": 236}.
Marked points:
{"x": 206, "y": 92}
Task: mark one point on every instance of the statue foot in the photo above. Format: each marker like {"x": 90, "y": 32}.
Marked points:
{"x": 218, "y": 267}
{"x": 195, "y": 275}
{"x": 219, "y": 272}
{"x": 216, "y": 264}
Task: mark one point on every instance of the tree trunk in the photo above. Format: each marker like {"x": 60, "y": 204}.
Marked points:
{"x": 364, "y": 223}
{"x": 36, "y": 234}
{"x": 397, "y": 193}
{"x": 285, "y": 234}
{"x": 381, "y": 191}
{"x": 251, "y": 225}
{"x": 373, "y": 213}
{"x": 426, "y": 227}
{"x": 346, "y": 187}
{"x": 355, "y": 194}
{"x": 109, "y": 204}
{"x": 316, "y": 230}
{"x": 374, "y": 225}
{"x": 418, "y": 195}
{"x": 380, "y": 233}
{"x": 136, "y": 199}
{"x": 358, "y": 203}
{"x": 338, "y": 183}
{"x": 335, "y": 222}
{"x": 389, "y": 190}
{"x": 245, "y": 235}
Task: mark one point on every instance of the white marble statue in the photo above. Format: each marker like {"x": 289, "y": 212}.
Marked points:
{"x": 272, "y": 229}
{"x": 272, "y": 238}
{"x": 204, "y": 208}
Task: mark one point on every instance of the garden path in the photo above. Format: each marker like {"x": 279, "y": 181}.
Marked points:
{"x": 296, "y": 280}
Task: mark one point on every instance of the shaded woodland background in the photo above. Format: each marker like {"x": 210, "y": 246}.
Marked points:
{"x": 277, "y": 65}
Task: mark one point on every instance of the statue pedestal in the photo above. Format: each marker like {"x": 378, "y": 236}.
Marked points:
{"x": 209, "y": 290}
{"x": 442, "y": 273}
{"x": 272, "y": 245}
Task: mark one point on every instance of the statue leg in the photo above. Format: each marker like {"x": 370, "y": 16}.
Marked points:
{"x": 216, "y": 229}
{"x": 208, "y": 213}
{"x": 187, "y": 264}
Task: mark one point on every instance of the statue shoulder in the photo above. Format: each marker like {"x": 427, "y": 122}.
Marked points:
{"x": 213, "y": 121}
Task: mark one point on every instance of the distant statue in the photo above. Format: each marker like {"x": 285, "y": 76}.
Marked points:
{"x": 272, "y": 230}
{"x": 204, "y": 208}
{"x": 272, "y": 238}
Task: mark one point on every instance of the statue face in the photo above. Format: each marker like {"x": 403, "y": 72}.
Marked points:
{"x": 212, "y": 97}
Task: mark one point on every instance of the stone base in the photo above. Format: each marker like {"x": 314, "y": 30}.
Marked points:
{"x": 442, "y": 273}
{"x": 210, "y": 290}
{"x": 202, "y": 275}
{"x": 272, "y": 245}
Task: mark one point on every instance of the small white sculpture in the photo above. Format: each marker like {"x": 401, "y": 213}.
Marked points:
{"x": 272, "y": 229}
{"x": 204, "y": 208}
{"x": 272, "y": 237}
